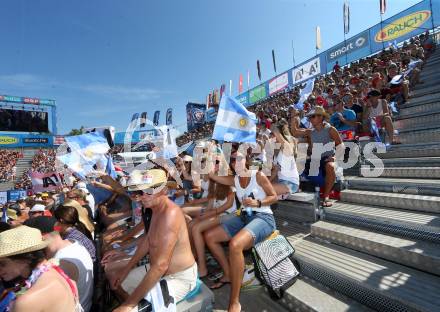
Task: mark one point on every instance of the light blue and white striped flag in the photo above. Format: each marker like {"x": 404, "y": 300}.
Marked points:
{"x": 234, "y": 122}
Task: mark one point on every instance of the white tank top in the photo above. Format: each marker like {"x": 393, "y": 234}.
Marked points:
{"x": 204, "y": 186}
{"x": 220, "y": 202}
{"x": 376, "y": 111}
{"x": 80, "y": 257}
{"x": 288, "y": 170}
{"x": 253, "y": 187}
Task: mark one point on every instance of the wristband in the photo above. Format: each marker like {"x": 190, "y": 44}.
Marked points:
{"x": 259, "y": 203}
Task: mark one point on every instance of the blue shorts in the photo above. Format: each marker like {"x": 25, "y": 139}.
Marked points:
{"x": 293, "y": 188}
{"x": 259, "y": 225}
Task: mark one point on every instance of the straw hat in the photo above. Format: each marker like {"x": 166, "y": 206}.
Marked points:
{"x": 82, "y": 213}
{"x": 144, "y": 179}
{"x": 20, "y": 240}
{"x": 318, "y": 110}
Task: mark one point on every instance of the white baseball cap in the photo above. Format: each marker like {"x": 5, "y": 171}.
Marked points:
{"x": 38, "y": 208}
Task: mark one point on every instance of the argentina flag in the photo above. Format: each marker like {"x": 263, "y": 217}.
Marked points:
{"x": 234, "y": 123}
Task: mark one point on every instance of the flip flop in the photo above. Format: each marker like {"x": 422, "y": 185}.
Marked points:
{"x": 219, "y": 285}
{"x": 215, "y": 276}
{"x": 326, "y": 203}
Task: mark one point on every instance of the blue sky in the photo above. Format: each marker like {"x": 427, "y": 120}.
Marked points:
{"x": 104, "y": 60}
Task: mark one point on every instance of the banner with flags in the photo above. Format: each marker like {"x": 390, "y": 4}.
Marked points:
{"x": 135, "y": 118}
{"x": 234, "y": 122}
{"x": 240, "y": 84}
{"x": 259, "y": 70}
{"x": 318, "y": 38}
{"x": 383, "y": 6}
{"x": 44, "y": 182}
{"x": 273, "y": 60}
{"x": 156, "y": 118}
{"x": 222, "y": 90}
{"x": 346, "y": 12}
{"x": 169, "y": 147}
{"x": 169, "y": 117}
{"x": 144, "y": 117}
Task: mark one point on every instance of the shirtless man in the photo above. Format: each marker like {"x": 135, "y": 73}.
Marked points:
{"x": 165, "y": 240}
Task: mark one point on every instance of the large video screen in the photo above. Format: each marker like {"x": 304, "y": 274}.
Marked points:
{"x": 23, "y": 121}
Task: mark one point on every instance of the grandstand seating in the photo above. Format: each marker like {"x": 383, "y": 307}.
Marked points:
{"x": 379, "y": 246}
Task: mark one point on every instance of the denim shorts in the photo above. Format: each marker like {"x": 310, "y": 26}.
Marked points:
{"x": 259, "y": 225}
{"x": 293, "y": 188}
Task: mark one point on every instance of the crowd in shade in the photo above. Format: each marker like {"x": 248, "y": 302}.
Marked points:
{"x": 155, "y": 231}
{"x": 42, "y": 162}
{"x": 8, "y": 160}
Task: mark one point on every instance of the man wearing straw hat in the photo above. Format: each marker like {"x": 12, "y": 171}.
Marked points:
{"x": 44, "y": 287}
{"x": 165, "y": 240}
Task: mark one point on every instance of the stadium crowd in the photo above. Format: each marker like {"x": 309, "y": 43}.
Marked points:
{"x": 155, "y": 231}
{"x": 8, "y": 160}
{"x": 43, "y": 162}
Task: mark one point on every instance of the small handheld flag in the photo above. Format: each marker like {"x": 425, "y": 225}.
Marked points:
{"x": 234, "y": 122}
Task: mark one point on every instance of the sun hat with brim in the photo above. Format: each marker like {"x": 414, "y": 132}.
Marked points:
{"x": 82, "y": 213}
{"x": 318, "y": 110}
{"x": 20, "y": 240}
{"x": 144, "y": 179}
{"x": 10, "y": 213}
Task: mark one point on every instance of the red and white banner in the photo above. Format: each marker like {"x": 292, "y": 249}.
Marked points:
{"x": 59, "y": 139}
{"x": 42, "y": 182}
{"x": 278, "y": 83}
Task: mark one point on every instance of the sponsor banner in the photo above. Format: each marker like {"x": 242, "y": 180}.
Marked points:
{"x": 257, "y": 94}
{"x": 14, "y": 195}
{"x": 401, "y": 26}
{"x": 3, "y": 197}
{"x": 42, "y": 182}
{"x": 195, "y": 115}
{"x": 243, "y": 98}
{"x": 306, "y": 71}
{"x": 278, "y": 83}
{"x": 24, "y": 140}
{"x": 355, "y": 47}
{"x": 25, "y": 100}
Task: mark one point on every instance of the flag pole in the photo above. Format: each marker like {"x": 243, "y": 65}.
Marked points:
{"x": 381, "y": 31}
{"x": 345, "y": 45}
{"x": 432, "y": 17}
{"x": 293, "y": 54}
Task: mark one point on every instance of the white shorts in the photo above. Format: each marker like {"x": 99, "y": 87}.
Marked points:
{"x": 179, "y": 284}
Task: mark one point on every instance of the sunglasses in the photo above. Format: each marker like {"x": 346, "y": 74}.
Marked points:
{"x": 313, "y": 116}
{"x": 149, "y": 191}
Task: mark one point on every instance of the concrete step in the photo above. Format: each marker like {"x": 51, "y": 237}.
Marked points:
{"x": 402, "y": 172}
{"x": 400, "y": 186}
{"x": 299, "y": 207}
{"x": 429, "y": 73}
{"x": 404, "y": 223}
{"x": 379, "y": 284}
{"x": 412, "y": 162}
{"x": 419, "y": 134}
{"x": 307, "y": 295}
{"x": 420, "y": 255}
{"x": 424, "y": 98}
{"x": 417, "y": 119}
{"x": 408, "y": 109}
{"x": 412, "y": 202}
{"x": 430, "y": 88}
{"x": 203, "y": 301}
{"x": 412, "y": 150}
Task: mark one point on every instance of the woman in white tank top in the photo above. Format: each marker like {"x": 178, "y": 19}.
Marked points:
{"x": 221, "y": 202}
{"x": 254, "y": 223}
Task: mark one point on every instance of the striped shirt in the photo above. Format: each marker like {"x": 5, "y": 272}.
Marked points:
{"x": 75, "y": 235}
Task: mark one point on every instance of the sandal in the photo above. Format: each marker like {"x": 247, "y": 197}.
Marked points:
{"x": 219, "y": 285}
{"x": 327, "y": 203}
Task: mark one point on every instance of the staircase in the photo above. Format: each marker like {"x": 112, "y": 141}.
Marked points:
{"x": 378, "y": 248}
{"x": 22, "y": 165}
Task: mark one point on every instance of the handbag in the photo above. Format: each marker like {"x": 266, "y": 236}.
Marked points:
{"x": 275, "y": 266}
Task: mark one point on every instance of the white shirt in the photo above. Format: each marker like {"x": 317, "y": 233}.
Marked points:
{"x": 80, "y": 257}
{"x": 253, "y": 187}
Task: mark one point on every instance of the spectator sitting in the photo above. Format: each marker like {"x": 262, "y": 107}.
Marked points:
{"x": 343, "y": 119}
{"x": 22, "y": 256}
{"x": 73, "y": 258}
